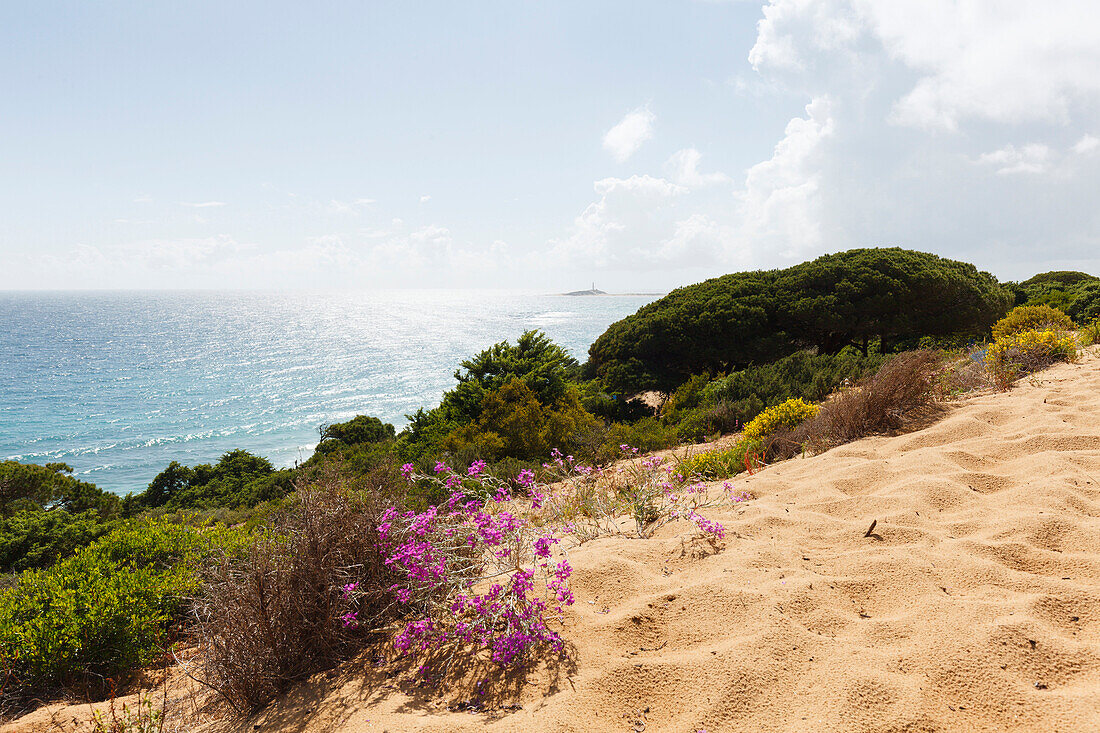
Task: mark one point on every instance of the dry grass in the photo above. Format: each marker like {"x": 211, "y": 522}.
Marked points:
{"x": 878, "y": 404}
{"x": 275, "y": 616}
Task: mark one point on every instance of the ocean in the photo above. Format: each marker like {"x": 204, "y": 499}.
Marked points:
{"x": 119, "y": 384}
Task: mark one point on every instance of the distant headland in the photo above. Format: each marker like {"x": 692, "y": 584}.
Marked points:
{"x": 595, "y": 291}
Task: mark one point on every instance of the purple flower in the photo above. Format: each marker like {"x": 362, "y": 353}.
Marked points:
{"x": 543, "y": 544}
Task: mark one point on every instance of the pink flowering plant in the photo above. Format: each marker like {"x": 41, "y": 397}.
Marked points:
{"x": 473, "y": 572}
{"x": 484, "y": 570}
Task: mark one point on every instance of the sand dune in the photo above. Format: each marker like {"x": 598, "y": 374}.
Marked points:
{"x": 973, "y": 605}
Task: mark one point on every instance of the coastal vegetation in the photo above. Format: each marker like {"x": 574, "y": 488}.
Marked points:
{"x": 858, "y": 298}
{"x": 448, "y": 537}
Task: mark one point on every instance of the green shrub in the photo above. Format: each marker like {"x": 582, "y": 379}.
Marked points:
{"x": 238, "y": 479}
{"x": 360, "y": 429}
{"x": 103, "y": 611}
{"x": 25, "y": 486}
{"x": 803, "y": 374}
{"x": 514, "y": 423}
{"x": 1089, "y": 334}
{"x": 718, "y": 464}
{"x": 695, "y": 425}
{"x": 648, "y": 434}
{"x": 1031, "y": 318}
{"x": 37, "y": 539}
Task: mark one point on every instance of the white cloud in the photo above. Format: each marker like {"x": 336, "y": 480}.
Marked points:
{"x": 336, "y": 206}
{"x": 790, "y": 28}
{"x": 643, "y": 222}
{"x": 147, "y": 256}
{"x": 1030, "y": 158}
{"x": 781, "y": 207}
{"x": 624, "y": 139}
{"x": 1087, "y": 145}
{"x": 203, "y": 204}
{"x": 143, "y": 199}
{"x": 1009, "y": 61}
{"x": 683, "y": 167}
{"x": 425, "y": 199}
{"x": 639, "y": 186}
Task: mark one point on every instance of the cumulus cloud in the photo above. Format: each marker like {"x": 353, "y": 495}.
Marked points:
{"x": 203, "y": 204}
{"x": 625, "y": 227}
{"x": 625, "y": 138}
{"x": 639, "y": 186}
{"x": 683, "y": 167}
{"x": 688, "y": 222}
{"x": 1011, "y": 61}
{"x": 1087, "y": 145}
{"x": 1030, "y": 158}
{"x": 781, "y": 205}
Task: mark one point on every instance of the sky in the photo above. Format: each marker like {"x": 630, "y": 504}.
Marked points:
{"x": 641, "y": 145}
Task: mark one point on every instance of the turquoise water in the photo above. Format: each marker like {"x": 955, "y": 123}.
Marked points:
{"x": 118, "y": 384}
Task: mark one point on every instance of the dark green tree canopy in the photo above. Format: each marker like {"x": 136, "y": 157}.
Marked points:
{"x": 541, "y": 364}
{"x": 28, "y": 486}
{"x": 1063, "y": 278}
{"x": 713, "y": 326}
{"x": 1075, "y": 293}
{"x": 885, "y": 293}
{"x": 360, "y": 430}
{"x": 734, "y": 321}
{"x": 239, "y": 478}
{"x": 544, "y": 367}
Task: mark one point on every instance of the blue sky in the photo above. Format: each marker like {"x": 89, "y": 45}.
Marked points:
{"x": 643, "y": 145}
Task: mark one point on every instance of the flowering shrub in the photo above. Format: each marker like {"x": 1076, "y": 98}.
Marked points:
{"x": 1026, "y": 351}
{"x": 474, "y": 572}
{"x": 786, "y": 415}
{"x": 471, "y": 571}
{"x": 1031, "y": 318}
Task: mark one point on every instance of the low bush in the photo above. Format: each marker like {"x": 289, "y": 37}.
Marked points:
{"x": 1089, "y": 333}
{"x": 38, "y": 539}
{"x": 1022, "y": 352}
{"x": 720, "y": 464}
{"x": 780, "y": 417}
{"x": 648, "y": 434}
{"x": 1031, "y": 318}
{"x": 877, "y": 404}
{"x": 238, "y": 479}
{"x": 102, "y": 612}
{"x": 278, "y": 613}
{"x": 802, "y": 374}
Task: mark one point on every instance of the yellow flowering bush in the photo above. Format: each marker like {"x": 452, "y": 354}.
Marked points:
{"x": 1015, "y": 354}
{"x": 780, "y": 417}
{"x": 1031, "y": 318}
